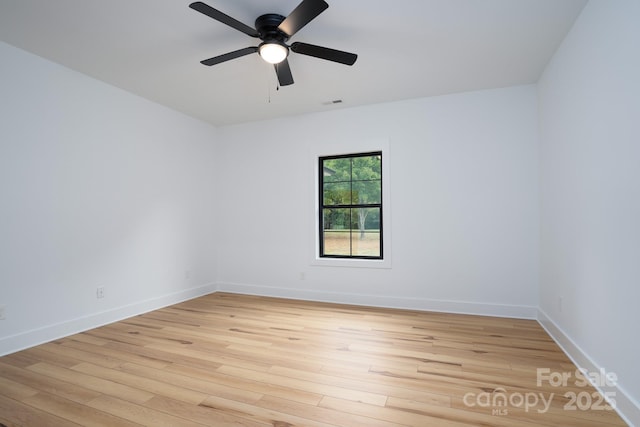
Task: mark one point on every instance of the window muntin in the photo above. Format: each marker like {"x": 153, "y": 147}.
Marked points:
{"x": 351, "y": 206}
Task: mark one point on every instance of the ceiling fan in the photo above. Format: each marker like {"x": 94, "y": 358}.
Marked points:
{"x": 274, "y": 30}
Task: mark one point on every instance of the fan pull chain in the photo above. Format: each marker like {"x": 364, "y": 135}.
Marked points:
{"x": 268, "y": 81}
{"x": 269, "y": 74}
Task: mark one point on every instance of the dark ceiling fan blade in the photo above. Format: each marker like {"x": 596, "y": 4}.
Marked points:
{"x": 228, "y": 56}
{"x": 304, "y": 13}
{"x": 324, "y": 53}
{"x": 225, "y": 19}
{"x": 283, "y": 71}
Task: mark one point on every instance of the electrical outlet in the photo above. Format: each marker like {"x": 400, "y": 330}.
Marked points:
{"x": 2, "y": 312}
{"x": 559, "y": 304}
{"x": 100, "y": 292}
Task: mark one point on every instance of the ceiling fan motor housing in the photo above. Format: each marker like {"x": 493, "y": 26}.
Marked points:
{"x": 267, "y": 27}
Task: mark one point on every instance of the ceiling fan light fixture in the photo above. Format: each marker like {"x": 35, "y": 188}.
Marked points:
{"x": 273, "y": 52}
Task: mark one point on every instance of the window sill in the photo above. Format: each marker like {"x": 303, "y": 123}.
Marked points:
{"x": 351, "y": 263}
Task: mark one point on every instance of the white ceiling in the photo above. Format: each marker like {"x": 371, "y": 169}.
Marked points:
{"x": 406, "y": 49}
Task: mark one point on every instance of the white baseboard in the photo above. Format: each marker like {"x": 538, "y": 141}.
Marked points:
{"x": 38, "y": 336}
{"x": 626, "y": 406}
{"x": 423, "y": 304}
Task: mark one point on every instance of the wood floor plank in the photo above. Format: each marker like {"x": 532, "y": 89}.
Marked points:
{"x": 191, "y": 383}
{"x": 138, "y": 414}
{"x": 392, "y": 415}
{"x": 464, "y": 417}
{"x": 15, "y": 413}
{"x": 258, "y": 413}
{"x": 363, "y": 384}
{"x": 308, "y": 386}
{"x": 15, "y": 390}
{"x": 203, "y": 414}
{"x": 90, "y": 382}
{"x": 146, "y": 385}
{"x": 46, "y": 383}
{"x": 418, "y": 393}
{"x": 76, "y": 354}
{"x": 321, "y": 414}
{"x": 83, "y": 415}
{"x": 241, "y": 360}
{"x": 248, "y": 385}
{"x": 114, "y": 357}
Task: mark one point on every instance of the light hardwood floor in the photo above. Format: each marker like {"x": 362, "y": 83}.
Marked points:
{"x": 234, "y": 360}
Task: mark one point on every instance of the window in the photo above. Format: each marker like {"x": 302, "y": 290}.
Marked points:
{"x": 351, "y": 206}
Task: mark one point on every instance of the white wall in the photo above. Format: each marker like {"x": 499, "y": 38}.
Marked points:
{"x": 97, "y": 188}
{"x": 590, "y": 184}
{"x": 464, "y": 196}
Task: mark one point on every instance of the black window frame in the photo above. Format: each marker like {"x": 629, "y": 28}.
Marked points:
{"x": 350, "y": 206}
